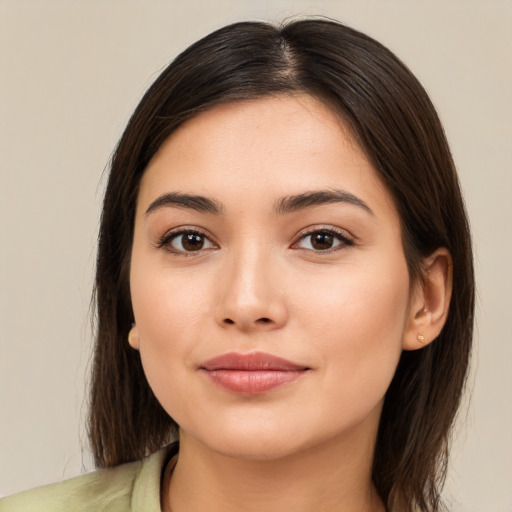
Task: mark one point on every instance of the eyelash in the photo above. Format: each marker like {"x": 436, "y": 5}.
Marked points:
{"x": 165, "y": 241}
{"x": 341, "y": 236}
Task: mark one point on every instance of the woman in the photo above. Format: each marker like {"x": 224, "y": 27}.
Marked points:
{"x": 284, "y": 284}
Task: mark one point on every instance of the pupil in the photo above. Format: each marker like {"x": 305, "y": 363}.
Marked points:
{"x": 192, "y": 242}
{"x": 322, "y": 241}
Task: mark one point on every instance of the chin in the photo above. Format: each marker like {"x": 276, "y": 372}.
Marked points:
{"x": 257, "y": 443}
{"x": 262, "y": 443}
{"x": 260, "y": 449}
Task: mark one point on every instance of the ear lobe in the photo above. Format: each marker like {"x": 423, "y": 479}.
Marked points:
{"x": 133, "y": 337}
{"x": 430, "y": 301}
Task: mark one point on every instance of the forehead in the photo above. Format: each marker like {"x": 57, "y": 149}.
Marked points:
{"x": 269, "y": 146}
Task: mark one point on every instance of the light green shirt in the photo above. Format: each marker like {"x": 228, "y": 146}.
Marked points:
{"x": 132, "y": 487}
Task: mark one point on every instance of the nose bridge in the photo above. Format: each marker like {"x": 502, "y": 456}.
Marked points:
{"x": 250, "y": 293}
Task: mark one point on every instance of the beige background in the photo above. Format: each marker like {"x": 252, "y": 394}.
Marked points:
{"x": 70, "y": 74}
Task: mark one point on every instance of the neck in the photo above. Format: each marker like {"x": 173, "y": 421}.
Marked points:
{"x": 328, "y": 478}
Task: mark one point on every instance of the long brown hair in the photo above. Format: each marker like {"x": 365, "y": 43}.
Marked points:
{"x": 395, "y": 123}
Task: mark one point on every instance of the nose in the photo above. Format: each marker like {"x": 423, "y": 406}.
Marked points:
{"x": 251, "y": 295}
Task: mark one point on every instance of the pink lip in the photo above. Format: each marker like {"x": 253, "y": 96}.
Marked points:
{"x": 251, "y": 374}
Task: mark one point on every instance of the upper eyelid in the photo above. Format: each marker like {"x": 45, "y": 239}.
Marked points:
{"x": 186, "y": 229}
{"x": 343, "y": 233}
{"x": 346, "y": 240}
{"x": 164, "y": 239}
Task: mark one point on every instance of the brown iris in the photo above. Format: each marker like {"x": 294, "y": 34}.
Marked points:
{"x": 192, "y": 242}
{"x": 322, "y": 241}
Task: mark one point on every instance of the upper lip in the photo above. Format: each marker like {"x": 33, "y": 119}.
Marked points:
{"x": 250, "y": 362}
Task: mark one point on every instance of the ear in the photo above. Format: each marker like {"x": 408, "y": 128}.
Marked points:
{"x": 133, "y": 337}
{"x": 430, "y": 301}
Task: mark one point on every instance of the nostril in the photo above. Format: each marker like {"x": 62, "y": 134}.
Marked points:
{"x": 263, "y": 320}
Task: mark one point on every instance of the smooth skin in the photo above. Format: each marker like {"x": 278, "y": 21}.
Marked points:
{"x": 245, "y": 269}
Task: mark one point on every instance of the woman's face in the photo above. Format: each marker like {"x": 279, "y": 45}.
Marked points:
{"x": 268, "y": 280}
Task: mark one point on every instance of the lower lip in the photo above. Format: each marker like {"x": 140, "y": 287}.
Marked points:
{"x": 254, "y": 382}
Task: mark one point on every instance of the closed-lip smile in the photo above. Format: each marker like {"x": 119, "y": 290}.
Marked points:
{"x": 251, "y": 374}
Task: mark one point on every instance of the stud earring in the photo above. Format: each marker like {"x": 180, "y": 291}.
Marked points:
{"x": 421, "y": 338}
{"x": 132, "y": 336}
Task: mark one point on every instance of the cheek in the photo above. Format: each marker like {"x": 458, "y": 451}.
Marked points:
{"x": 352, "y": 300}
{"x": 174, "y": 313}
{"x": 169, "y": 313}
{"x": 356, "y": 321}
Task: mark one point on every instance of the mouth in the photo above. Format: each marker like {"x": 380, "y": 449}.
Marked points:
{"x": 251, "y": 374}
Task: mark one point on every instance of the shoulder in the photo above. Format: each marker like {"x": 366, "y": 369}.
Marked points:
{"x": 130, "y": 487}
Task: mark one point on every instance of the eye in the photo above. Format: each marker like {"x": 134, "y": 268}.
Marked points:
{"x": 323, "y": 240}
{"x": 186, "y": 241}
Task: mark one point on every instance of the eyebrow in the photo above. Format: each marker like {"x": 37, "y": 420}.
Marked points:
{"x": 193, "y": 202}
{"x": 283, "y": 206}
{"x": 317, "y": 198}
